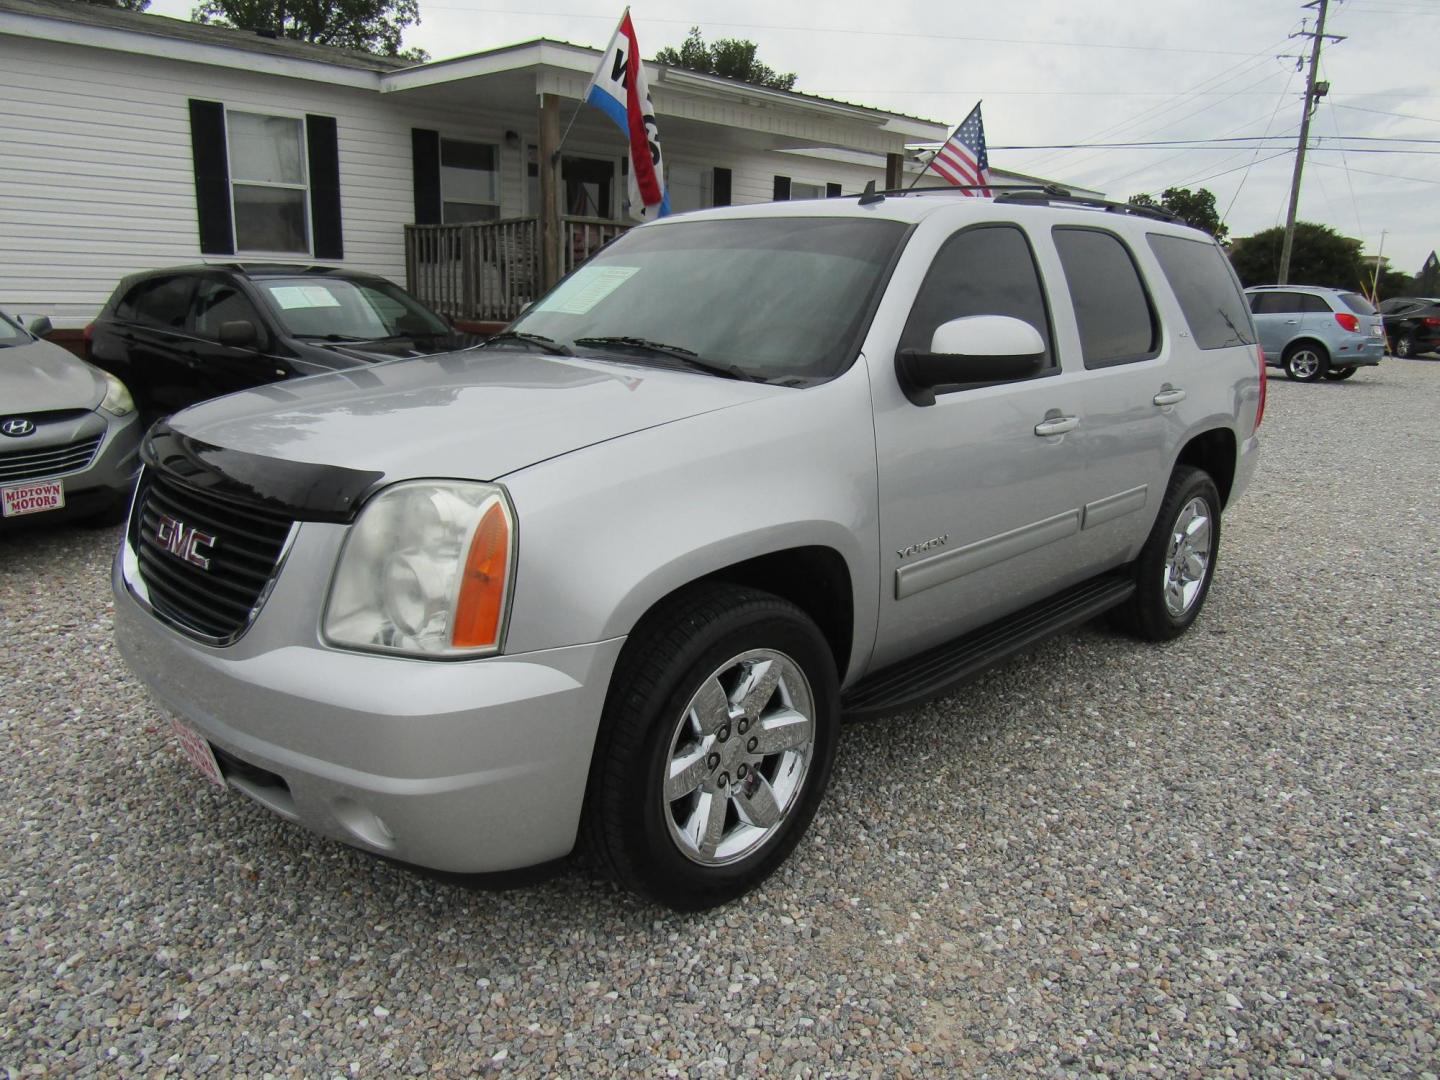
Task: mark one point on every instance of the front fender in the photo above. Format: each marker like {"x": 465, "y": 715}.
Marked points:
{"x": 605, "y": 532}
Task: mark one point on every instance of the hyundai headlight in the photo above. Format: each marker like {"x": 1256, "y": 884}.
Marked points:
{"x": 425, "y": 571}
{"x": 117, "y": 401}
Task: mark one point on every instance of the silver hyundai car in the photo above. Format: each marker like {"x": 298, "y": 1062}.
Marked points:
{"x": 69, "y": 433}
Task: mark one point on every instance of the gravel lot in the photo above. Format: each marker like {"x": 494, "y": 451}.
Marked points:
{"x": 1216, "y": 857}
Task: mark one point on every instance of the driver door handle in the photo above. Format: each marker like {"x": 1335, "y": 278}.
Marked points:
{"x": 1170, "y": 396}
{"x": 1057, "y": 425}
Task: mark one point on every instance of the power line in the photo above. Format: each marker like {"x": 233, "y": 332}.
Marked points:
{"x": 1382, "y": 112}
{"x": 1202, "y": 143}
{"x": 1386, "y": 175}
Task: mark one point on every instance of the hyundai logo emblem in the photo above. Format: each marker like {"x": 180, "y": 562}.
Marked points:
{"x": 17, "y": 426}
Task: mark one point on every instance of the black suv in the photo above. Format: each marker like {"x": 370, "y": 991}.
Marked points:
{"x": 1412, "y": 324}
{"x": 187, "y": 333}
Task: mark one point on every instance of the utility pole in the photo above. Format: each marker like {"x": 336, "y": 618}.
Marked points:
{"x": 1313, "y": 93}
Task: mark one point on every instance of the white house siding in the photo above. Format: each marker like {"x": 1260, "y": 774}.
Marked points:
{"x": 97, "y": 180}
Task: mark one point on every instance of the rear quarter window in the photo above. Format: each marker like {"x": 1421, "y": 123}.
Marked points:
{"x": 1207, "y": 290}
{"x": 1357, "y": 303}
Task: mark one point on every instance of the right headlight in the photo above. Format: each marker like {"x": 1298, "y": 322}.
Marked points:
{"x": 425, "y": 571}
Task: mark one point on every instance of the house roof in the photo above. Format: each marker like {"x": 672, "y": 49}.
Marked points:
{"x": 93, "y": 14}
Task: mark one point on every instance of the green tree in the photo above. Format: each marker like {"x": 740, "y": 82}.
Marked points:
{"x": 1195, "y": 208}
{"x": 372, "y": 26}
{"x": 1320, "y": 256}
{"x": 730, "y": 58}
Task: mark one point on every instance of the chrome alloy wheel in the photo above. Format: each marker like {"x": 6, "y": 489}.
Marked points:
{"x": 1188, "y": 561}
{"x": 739, "y": 757}
{"x": 1305, "y": 363}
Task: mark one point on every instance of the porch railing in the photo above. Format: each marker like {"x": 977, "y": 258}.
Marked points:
{"x": 489, "y": 270}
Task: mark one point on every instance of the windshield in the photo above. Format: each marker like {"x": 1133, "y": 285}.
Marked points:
{"x": 11, "y": 334}
{"x": 780, "y": 299}
{"x": 337, "y": 309}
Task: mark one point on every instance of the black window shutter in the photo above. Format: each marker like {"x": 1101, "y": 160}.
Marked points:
{"x": 832, "y": 191}
{"x": 782, "y": 188}
{"x": 212, "y": 177}
{"x": 425, "y": 147}
{"x": 722, "y": 187}
{"x": 323, "y": 150}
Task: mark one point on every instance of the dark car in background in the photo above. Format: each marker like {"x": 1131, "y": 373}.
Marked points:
{"x": 1412, "y": 324}
{"x": 69, "y": 433}
{"x": 185, "y": 334}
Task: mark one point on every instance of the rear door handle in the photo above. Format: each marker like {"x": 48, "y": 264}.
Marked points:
{"x": 1170, "y": 396}
{"x": 1057, "y": 425}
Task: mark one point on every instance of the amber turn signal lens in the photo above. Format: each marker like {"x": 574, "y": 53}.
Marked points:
{"x": 481, "y": 605}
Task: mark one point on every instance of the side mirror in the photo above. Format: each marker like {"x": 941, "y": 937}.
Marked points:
{"x": 238, "y": 334}
{"x": 973, "y": 349}
{"x": 39, "y": 325}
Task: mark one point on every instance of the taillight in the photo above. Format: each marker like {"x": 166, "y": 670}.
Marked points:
{"x": 1260, "y": 409}
{"x": 1432, "y": 321}
{"x": 1347, "y": 321}
{"x": 89, "y": 333}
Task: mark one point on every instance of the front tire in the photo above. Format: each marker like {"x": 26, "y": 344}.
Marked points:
{"x": 1305, "y": 362}
{"x": 715, "y": 747}
{"x": 1339, "y": 374}
{"x": 1177, "y": 563}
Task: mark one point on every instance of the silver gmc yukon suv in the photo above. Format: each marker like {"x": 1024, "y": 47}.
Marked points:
{"x": 611, "y": 580}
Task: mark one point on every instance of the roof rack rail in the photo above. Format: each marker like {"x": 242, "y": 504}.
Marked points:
{"x": 1059, "y": 195}
{"x": 871, "y": 195}
{"x": 1038, "y": 194}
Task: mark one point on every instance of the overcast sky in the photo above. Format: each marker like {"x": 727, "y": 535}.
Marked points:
{"x": 1103, "y": 71}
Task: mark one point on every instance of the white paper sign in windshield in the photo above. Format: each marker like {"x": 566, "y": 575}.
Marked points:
{"x": 586, "y": 288}
{"x": 290, "y": 297}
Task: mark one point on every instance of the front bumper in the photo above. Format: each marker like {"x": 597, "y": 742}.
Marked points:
{"x": 472, "y": 766}
{"x": 103, "y": 484}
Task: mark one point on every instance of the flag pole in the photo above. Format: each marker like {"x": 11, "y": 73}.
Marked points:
{"x": 921, "y": 174}
{"x": 554, "y": 157}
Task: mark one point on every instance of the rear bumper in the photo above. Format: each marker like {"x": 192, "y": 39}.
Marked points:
{"x": 470, "y": 767}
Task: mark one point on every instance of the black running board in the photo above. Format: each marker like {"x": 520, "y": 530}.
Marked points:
{"x": 941, "y": 669}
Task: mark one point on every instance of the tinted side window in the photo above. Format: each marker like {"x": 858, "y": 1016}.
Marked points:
{"x": 1275, "y": 303}
{"x": 217, "y": 301}
{"x": 1357, "y": 303}
{"x": 988, "y": 270}
{"x": 162, "y": 302}
{"x": 1209, "y": 295}
{"x": 1312, "y": 304}
{"x": 1116, "y": 320}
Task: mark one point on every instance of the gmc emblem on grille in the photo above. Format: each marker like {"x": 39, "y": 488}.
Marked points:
{"x": 184, "y": 541}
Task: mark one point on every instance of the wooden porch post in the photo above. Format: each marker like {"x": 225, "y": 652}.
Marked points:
{"x": 894, "y": 171}
{"x": 549, "y": 201}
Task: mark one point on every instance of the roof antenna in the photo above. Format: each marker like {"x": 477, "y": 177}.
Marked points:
{"x": 870, "y": 195}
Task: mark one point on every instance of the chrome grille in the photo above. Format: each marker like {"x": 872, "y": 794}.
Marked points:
{"x": 42, "y": 461}
{"x": 217, "y": 602}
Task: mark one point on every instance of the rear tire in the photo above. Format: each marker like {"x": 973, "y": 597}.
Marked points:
{"x": 1305, "y": 362}
{"x": 1340, "y": 373}
{"x": 1177, "y": 563}
{"x": 715, "y": 747}
{"x": 1404, "y": 345}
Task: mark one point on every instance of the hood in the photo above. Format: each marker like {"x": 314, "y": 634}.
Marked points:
{"x": 477, "y": 414}
{"x": 43, "y": 377}
{"x": 397, "y": 348}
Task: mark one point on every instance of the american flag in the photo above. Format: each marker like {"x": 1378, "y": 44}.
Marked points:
{"x": 963, "y": 160}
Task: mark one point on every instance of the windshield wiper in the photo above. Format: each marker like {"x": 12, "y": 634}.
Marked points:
{"x": 348, "y": 338}
{"x": 686, "y": 356}
{"x": 540, "y": 341}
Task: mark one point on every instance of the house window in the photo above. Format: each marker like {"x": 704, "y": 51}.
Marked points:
{"x": 469, "y": 181}
{"x": 269, "y": 189}
{"x": 801, "y": 190}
